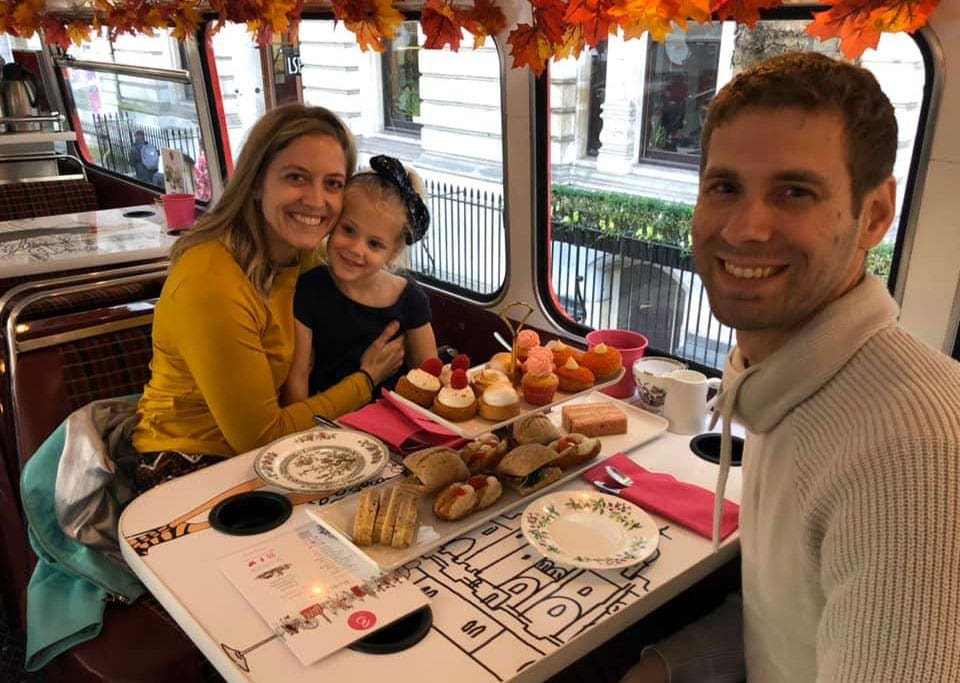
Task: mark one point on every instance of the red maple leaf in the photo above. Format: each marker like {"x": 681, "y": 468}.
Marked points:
{"x": 55, "y": 32}
{"x": 745, "y": 12}
{"x": 858, "y": 25}
{"x": 548, "y": 19}
{"x": 530, "y": 48}
{"x": 854, "y": 37}
{"x": 482, "y": 20}
{"x": 440, "y": 26}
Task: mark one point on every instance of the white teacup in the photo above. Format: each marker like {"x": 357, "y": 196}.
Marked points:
{"x": 651, "y": 391}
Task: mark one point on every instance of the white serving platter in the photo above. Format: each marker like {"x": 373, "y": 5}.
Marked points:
{"x": 338, "y": 517}
{"x": 476, "y": 426}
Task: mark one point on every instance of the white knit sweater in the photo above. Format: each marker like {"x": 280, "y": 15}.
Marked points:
{"x": 850, "y": 514}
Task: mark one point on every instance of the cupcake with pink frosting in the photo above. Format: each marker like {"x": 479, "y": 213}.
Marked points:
{"x": 539, "y": 382}
{"x": 526, "y": 340}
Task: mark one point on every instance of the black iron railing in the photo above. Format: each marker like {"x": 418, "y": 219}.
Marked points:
{"x": 600, "y": 280}
{"x": 116, "y": 134}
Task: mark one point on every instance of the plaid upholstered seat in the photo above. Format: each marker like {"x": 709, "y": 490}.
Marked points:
{"x": 48, "y": 198}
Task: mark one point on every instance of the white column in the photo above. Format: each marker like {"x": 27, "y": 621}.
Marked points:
{"x": 622, "y": 107}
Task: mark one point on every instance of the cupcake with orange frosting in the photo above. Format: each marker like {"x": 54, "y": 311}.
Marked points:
{"x": 539, "y": 383}
{"x": 526, "y": 340}
{"x": 603, "y": 361}
{"x": 574, "y": 377}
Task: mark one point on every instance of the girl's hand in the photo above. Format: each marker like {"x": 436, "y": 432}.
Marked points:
{"x": 384, "y": 357}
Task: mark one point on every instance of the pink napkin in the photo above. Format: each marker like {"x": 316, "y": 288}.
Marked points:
{"x": 686, "y": 504}
{"x": 399, "y": 426}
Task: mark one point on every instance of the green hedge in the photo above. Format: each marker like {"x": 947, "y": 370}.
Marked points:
{"x": 651, "y": 220}
{"x": 616, "y": 214}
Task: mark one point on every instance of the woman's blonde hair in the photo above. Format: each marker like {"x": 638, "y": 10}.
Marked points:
{"x": 236, "y": 219}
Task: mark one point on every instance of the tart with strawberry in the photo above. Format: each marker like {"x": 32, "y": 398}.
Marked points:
{"x": 422, "y": 384}
{"x": 456, "y": 402}
{"x": 459, "y": 362}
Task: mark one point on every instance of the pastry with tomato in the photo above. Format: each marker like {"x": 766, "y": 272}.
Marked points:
{"x": 574, "y": 449}
{"x": 484, "y": 453}
{"x": 529, "y": 468}
{"x": 460, "y": 499}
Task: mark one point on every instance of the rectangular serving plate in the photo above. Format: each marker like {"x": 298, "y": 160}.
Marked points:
{"x": 476, "y": 426}
{"x": 338, "y": 517}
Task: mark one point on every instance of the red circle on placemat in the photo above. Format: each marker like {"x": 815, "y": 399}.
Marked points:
{"x": 362, "y": 620}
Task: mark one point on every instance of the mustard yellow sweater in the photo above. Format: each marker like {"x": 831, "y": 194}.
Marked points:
{"x": 220, "y": 354}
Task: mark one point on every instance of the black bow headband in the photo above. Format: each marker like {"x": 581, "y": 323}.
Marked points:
{"x": 392, "y": 170}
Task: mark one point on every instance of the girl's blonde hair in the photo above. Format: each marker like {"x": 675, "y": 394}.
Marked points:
{"x": 236, "y": 219}
{"x": 382, "y": 191}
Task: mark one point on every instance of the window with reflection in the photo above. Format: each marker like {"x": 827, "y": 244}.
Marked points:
{"x": 126, "y": 121}
{"x": 625, "y": 124}
{"x": 438, "y": 111}
{"x": 680, "y": 81}
{"x": 401, "y": 80}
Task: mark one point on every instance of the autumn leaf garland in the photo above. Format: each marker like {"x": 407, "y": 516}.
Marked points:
{"x": 557, "y": 29}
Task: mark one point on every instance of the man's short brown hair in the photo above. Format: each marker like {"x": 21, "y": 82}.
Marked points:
{"x": 816, "y": 83}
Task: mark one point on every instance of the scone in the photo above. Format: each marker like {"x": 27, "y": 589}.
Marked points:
{"x": 419, "y": 385}
{"x": 499, "y": 402}
{"x": 603, "y": 361}
{"x": 456, "y": 402}
{"x": 535, "y": 428}
{"x": 574, "y": 377}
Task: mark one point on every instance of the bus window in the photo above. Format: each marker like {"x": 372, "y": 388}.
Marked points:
{"x": 625, "y": 178}
{"x": 132, "y": 99}
{"x": 440, "y": 111}
{"x": 240, "y": 76}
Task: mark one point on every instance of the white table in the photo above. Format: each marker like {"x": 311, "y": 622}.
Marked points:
{"x": 501, "y": 612}
{"x": 34, "y": 246}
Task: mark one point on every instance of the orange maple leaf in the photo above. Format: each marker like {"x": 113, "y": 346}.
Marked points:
{"x": 593, "y": 15}
{"x": 637, "y": 17}
{"x": 26, "y": 17}
{"x": 482, "y": 20}
{"x": 186, "y": 21}
{"x": 855, "y": 37}
{"x": 571, "y": 45}
{"x": 745, "y": 12}
{"x": 529, "y": 48}
{"x": 441, "y": 26}
{"x": 79, "y": 31}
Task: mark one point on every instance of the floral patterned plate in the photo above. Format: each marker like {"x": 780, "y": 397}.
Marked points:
{"x": 321, "y": 460}
{"x": 589, "y": 530}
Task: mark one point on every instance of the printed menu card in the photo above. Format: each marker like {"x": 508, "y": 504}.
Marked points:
{"x": 317, "y": 593}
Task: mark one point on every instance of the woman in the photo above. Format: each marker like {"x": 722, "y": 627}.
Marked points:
{"x": 223, "y": 327}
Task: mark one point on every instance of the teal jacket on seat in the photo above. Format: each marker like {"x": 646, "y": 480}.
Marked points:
{"x": 71, "y": 583}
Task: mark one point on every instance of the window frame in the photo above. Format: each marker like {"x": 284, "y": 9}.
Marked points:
{"x": 909, "y": 210}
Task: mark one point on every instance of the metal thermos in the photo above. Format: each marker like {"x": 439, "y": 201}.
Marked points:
{"x": 18, "y": 96}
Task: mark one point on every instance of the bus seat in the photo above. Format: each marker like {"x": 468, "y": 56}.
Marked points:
{"x": 46, "y": 198}
{"x": 68, "y": 343}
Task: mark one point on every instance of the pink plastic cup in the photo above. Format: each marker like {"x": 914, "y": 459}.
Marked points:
{"x": 631, "y": 346}
{"x": 178, "y": 210}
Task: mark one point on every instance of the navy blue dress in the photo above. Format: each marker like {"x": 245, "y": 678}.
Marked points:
{"x": 343, "y": 329}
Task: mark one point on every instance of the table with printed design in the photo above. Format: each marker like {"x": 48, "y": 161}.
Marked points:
{"x": 501, "y": 611}
{"x": 34, "y": 246}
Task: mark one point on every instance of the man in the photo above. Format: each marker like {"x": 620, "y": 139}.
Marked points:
{"x": 850, "y": 538}
{"x": 144, "y": 157}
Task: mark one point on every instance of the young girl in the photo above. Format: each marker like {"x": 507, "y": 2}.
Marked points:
{"x": 343, "y": 306}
